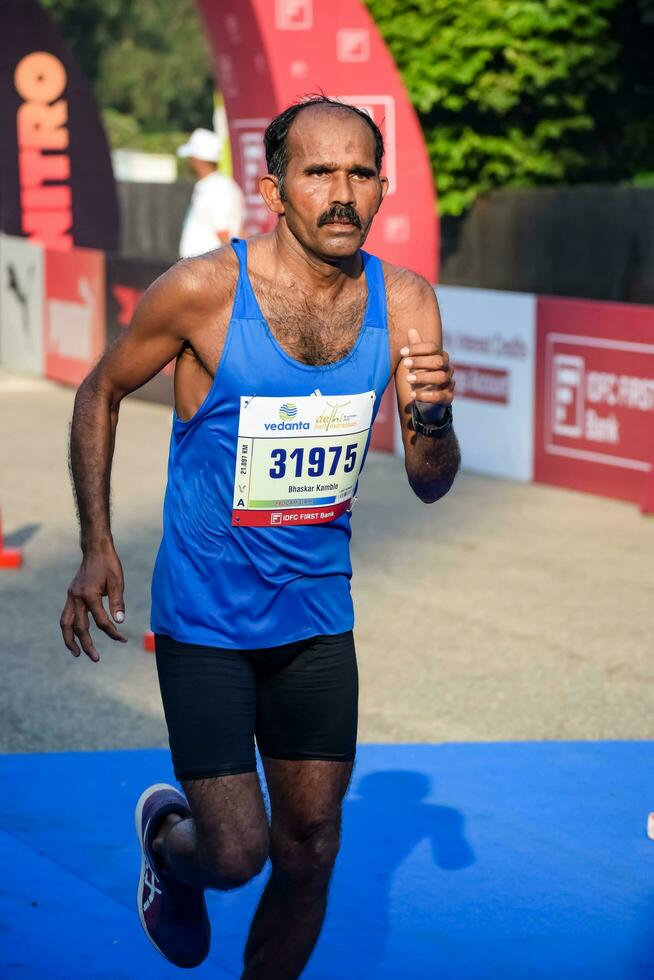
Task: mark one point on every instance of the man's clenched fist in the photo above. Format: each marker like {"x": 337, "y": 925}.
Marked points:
{"x": 429, "y": 374}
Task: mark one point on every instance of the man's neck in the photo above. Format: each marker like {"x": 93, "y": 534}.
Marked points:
{"x": 295, "y": 263}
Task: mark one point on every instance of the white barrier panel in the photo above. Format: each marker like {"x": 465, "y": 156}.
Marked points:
{"x": 21, "y": 305}
{"x": 491, "y": 339}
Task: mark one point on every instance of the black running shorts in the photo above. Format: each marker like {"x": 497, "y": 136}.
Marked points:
{"x": 299, "y": 701}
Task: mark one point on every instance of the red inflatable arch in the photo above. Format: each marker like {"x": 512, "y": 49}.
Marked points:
{"x": 268, "y": 53}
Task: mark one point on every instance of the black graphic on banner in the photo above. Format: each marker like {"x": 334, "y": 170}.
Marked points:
{"x": 126, "y": 281}
{"x": 56, "y": 181}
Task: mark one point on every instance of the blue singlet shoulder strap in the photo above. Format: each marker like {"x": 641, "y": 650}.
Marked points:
{"x": 376, "y": 309}
{"x": 246, "y": 306}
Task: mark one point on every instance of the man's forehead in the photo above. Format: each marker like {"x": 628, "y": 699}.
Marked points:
{"x": 330, "y": 131}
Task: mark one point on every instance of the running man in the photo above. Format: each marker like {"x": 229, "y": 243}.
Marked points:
{"x": 284, "y": 347}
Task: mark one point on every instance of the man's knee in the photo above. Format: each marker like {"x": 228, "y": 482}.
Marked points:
{"x": 233, "y": 865}
{"x": 309, "y": 854}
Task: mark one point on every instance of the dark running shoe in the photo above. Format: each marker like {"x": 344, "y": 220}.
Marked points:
{"x": 173, "y": 915}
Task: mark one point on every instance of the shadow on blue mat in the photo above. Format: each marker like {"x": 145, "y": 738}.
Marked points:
{"x": 391, "y": 812}
{"x": 459, "y": 862}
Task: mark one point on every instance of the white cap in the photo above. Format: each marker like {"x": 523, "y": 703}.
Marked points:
{"x": 204, "y": 144}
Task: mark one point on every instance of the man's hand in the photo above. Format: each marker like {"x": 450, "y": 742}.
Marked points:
{"x": 99, "y": 575}
{"x": 430, "y": 376}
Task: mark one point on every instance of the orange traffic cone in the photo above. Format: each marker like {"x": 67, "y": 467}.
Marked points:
{"x": 9, "y": 557}
{"x": 148, "y": 641}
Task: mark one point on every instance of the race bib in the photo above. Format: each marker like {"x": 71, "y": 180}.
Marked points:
{"x": 298, "y": 459}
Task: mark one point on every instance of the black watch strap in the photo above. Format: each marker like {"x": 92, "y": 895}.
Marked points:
{"x": 428, "y": 429}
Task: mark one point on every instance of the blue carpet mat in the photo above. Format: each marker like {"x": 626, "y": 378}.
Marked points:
{"x": 459, "y": 862}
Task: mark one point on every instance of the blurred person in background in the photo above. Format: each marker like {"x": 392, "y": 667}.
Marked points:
{"x": 217, "y": 210}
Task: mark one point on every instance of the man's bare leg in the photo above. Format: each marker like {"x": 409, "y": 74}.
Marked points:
{"x": 226, "y": 842}
{"x": 305, "y": 800}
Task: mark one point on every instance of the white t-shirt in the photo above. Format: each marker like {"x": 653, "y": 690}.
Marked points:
{"x": 216, "y": 206}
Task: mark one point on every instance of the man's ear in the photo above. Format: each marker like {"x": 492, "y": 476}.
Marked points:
{"x": 384, "y": 186}
{"x": 269, "y": 190}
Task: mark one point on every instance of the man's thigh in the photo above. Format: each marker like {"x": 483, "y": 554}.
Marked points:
{"x": 308, "y": 709}
{"x": 306, "y": 733}
{"x": 209, "y": 697}
{"x": 210, "y": 703}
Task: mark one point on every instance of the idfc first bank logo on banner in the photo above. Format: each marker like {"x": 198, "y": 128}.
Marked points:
{"x": 595, "y": 396}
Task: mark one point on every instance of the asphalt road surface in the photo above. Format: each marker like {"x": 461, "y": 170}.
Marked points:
{"x": 503, "y": 612}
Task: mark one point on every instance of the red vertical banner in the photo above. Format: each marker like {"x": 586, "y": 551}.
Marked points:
{"x": 269, "y": 53}
{"x": 595, "y": 396}
{"x": 74, "y": 321}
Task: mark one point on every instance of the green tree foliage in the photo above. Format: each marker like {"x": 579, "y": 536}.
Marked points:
{"x": 504, "y": 88}
{"x": 148, "y": 62}
{"x": 90, "y": 28}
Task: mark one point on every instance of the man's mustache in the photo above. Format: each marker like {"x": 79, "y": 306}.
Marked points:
{"x": 340, "y": 212}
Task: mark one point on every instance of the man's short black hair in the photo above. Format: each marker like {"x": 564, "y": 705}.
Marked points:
{"x": 276, "y": 136}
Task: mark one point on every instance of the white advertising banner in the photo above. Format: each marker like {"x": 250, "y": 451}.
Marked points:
{"x": 491, "y": 339}
{"x": 21, "y": 305}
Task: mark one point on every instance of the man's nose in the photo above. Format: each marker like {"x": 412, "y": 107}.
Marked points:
{"x": 341, "y": 189}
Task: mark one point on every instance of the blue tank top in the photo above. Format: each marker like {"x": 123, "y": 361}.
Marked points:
{"x": 247, "y": 578}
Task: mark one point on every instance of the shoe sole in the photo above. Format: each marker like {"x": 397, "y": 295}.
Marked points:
{"x": 138, "y": 822}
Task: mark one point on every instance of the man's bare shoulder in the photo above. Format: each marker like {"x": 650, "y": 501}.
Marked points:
{"x": 405, "y": 286}
{"x": 408, "y": 295}
{"x": 205, "y": 283}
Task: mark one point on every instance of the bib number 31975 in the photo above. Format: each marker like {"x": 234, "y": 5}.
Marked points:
{"x": 298, "y": 459}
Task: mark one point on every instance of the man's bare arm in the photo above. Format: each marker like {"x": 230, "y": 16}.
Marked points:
{"x": 154, "y": 337}
{"x": 158, "y": 330}
{"x": 423, "y": 374}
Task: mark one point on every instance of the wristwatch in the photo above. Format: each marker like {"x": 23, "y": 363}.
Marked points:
{"x": 427, "y": 428}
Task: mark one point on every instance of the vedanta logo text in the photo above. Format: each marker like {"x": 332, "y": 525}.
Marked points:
{"x": 43, "y": 139}
{"x": 286, "y": 425}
